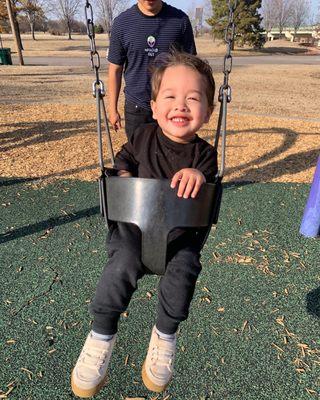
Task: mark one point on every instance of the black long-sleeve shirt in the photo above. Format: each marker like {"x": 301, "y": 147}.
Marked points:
{"x": 151, "y": 154}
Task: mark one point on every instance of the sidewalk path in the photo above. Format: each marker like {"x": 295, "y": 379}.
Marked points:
{"x": 238, "y": 61}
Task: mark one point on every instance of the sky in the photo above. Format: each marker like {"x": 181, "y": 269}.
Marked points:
{"x": 186, "y": 5}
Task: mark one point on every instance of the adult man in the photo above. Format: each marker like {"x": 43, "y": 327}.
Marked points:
{"x": 138, "y": 35}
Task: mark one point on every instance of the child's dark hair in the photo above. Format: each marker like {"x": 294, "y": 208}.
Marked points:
{"x": 174, "y": 58}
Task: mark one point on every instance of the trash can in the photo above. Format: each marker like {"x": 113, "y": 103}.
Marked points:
{"x": 5, "y": 56}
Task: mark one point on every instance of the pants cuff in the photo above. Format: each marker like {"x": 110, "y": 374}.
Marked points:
{"x": 167, "y": 327}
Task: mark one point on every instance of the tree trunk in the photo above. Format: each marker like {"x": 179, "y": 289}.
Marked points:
{"x": 14, "y": 31}
{"x": 280, "y": 31}
{"x": 32, "y": 30}
{"x": 69, "y": 31}
{"x": 19, "y": 35}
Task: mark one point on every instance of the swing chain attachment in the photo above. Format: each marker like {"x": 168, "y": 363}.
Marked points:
{"x": 224, "y": 96}
{"x": 229, "y": 35}
{"x": 98, "y": 90}
{"x": 97, "y": 87}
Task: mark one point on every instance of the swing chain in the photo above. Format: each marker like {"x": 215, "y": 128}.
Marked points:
{"x": 98, "y": 91}
{"x": 97, "y": 87}
{"x": 227, "y": 63}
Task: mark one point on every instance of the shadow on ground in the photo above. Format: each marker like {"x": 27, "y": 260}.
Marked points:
{"x": 25, "y": 134}
{"x": 266, "y": 168}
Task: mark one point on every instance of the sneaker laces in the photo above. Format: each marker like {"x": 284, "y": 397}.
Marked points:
{"x": 162, "y": 357}
{"x": 93, "y": 358}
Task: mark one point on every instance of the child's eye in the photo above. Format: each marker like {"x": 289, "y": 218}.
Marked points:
{"x": 193, "y": 98}
{"x": 169, "y": 97}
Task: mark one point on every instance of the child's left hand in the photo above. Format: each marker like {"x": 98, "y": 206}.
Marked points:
{"x": 190, "y": 182}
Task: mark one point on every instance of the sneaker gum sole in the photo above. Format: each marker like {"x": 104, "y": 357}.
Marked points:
{"x": 149, "y": 384}
{"x": 87, "y": 393}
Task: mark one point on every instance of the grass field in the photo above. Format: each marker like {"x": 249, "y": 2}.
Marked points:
{"x": 253, "y": 333}
{"x": 46, "y": 44}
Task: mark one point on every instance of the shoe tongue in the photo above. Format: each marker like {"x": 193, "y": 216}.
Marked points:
{"x": 166, "y": 340}
{"x": 100, "y": 344}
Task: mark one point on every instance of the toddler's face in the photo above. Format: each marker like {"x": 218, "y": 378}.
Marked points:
{"x": 181, "y": 106}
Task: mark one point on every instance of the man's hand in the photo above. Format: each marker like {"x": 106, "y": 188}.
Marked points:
{"x": 190, "y": 182}
{"x": 124, "y": 174}
{"x": 115, "y": 119}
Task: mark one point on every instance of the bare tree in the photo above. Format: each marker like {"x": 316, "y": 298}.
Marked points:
{"x": 15, "y": 31}
{"x": 4, "y": 18}
{"x": 191, "y": 12}
{"x": 4, "y": 26}
{"x": 108, "y": 10}
{"x": 66, "y": 10}
{"x": 269, "y": 15}
{"x": 283, "y": 10}
{"x": 32, "y": 10}
{"x": 299, "y": 14}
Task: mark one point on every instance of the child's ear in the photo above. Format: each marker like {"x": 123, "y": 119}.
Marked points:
{"x": 153, "y": 105}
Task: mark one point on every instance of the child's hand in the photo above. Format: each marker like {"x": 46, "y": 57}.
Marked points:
{"x": 190, "y": 182}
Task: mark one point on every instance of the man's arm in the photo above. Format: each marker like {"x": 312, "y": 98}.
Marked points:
{"x": 188, "y": 42}
{"x": 114, "y": 86}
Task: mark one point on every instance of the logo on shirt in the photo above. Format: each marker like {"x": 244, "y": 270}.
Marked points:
{"x": 151, "y": 41}
{"x": 151, "y": 50}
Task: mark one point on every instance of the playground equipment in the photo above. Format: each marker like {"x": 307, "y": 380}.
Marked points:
{"x": 150, "y": 203}
{"x": 310, "y": 225}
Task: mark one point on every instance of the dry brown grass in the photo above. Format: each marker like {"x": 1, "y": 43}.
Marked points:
{"x": 48, "y": 45}
{"x": 60, "y": 46}
{"x": 48, "y": 128}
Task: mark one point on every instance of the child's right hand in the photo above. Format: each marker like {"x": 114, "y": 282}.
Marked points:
{"x": 190, "y": 181}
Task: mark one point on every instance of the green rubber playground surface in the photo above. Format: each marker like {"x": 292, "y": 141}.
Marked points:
{"x": 253, "y": 330}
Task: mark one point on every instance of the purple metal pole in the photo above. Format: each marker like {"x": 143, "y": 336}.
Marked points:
{"x": 310, "y": 225}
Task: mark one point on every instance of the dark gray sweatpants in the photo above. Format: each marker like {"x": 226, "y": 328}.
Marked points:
{"x": 123, "y": 270}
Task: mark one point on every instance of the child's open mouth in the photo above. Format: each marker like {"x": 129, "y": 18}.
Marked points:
{"x": 180, "y": 121}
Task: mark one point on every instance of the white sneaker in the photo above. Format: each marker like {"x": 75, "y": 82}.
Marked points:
{"x": 157, "y": 369}
{"x": 90, "y": 371}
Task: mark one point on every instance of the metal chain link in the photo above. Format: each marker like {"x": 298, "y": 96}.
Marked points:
{"x": 94, "y": 55}
{"x": 225, "y": 89}
{"x": 229, "y": 35}
{"x": 98, "y": 90}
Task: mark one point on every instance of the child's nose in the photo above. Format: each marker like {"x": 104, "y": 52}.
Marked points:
{"x": 181, "y": 106}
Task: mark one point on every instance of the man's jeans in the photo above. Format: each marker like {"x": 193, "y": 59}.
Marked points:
{"x": 135, "y": 116}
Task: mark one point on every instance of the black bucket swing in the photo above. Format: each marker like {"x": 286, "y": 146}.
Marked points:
{"x": 151, "y": 204}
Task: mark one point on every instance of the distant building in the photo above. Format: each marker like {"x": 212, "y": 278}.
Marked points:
{"x": 305, "y": 34}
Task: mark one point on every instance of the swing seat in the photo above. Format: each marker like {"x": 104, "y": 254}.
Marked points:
{"x": 153, "y": 206}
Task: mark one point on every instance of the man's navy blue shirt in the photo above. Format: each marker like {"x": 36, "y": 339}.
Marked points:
{"x": 136, "y": 39}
